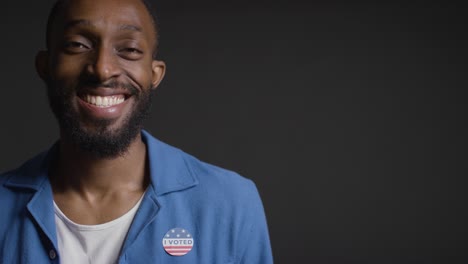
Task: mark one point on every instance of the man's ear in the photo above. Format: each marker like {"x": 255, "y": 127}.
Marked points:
{"x": 42, "y": 64}
{"x": 158, "y": 70}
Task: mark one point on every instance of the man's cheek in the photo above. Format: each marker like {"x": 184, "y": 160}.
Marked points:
{"x": 69, "y": 65}
{"x": 140, "y": 77}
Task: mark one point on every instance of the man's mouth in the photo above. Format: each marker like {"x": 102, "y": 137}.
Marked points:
{"x": 103, "y": 101}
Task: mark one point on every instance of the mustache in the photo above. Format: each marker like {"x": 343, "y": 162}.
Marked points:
{"x": 114, "y": 84}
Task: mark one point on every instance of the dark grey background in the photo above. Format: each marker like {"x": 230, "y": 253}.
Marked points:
{"x": 350, "y": 118}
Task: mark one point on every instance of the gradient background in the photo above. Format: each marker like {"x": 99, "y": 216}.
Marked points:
{"x": 349, "y": 118}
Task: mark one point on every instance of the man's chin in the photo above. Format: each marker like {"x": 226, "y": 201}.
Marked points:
{"x": 94, "y": 125}
{"x": 102, "y": 136}
{"x": 103, "y": 142}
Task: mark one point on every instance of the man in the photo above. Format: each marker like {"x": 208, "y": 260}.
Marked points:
{"x": 107, "y": 191}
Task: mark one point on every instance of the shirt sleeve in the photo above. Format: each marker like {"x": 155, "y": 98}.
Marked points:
{"x": 255, "y": 247}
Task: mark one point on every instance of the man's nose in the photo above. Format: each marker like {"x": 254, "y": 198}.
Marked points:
{"x": 104, "y": 64}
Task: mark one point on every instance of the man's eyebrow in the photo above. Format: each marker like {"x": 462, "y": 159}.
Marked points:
{"x": 84, "y": 22}
{"x": 78, "y": 22}
{"x": 130, "y": 27}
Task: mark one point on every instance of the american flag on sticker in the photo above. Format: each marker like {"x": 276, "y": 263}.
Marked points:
{"x": 177, "y": 242}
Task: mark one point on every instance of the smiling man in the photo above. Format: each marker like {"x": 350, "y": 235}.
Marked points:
{"x": 107, "y": 191}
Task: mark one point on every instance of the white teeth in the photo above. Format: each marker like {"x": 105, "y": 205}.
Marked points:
{"x": 104, "y": 101}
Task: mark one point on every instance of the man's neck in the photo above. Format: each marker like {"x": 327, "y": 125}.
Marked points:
{"x": 83, "y": 174}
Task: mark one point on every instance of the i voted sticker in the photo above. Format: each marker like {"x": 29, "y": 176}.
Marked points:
{"x": 177, "y": 242}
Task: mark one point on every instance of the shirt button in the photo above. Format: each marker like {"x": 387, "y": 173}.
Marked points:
{"x": 52, "y": 254}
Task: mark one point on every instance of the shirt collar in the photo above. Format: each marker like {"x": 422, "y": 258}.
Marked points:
{"x": 169, "y": 170}
{"x": 33, "y": 173}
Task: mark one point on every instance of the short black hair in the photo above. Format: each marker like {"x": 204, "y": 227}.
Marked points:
{"x": 59, "y": 4}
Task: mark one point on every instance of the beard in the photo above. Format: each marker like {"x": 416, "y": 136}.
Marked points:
{"x": 102, "y": 141}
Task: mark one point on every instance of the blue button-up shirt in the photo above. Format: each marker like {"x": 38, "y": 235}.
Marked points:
{"x": 221, "y": 210}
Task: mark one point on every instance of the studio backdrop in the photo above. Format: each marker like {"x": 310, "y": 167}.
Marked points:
{"x": 350, "y": 118}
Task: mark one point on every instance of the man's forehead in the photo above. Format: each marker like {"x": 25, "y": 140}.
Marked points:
{"x": 124, "y": 14}
{"x": 135, "y": 15}
{"x": 132, "y": 27}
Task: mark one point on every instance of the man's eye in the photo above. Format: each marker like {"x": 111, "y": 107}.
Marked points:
{"x": 131, "y": 50}
{"x": 75, "y": 46}
{"x": 131, "y": 53}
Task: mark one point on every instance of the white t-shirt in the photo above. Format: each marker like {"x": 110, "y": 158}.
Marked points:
{"x": 91, "y": 244}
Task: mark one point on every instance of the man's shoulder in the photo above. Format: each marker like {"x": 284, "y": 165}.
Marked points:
{"x": 213, "y": 175}
{"x": 27, "y": 175}
{"x": 221, "y": 191}
{"x": 210, "y": 179}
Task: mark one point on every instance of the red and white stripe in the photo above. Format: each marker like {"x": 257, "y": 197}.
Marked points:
{"x": 177, "y": 250}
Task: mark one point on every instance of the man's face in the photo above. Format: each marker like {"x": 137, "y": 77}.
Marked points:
{"x": 100, "y": 72}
